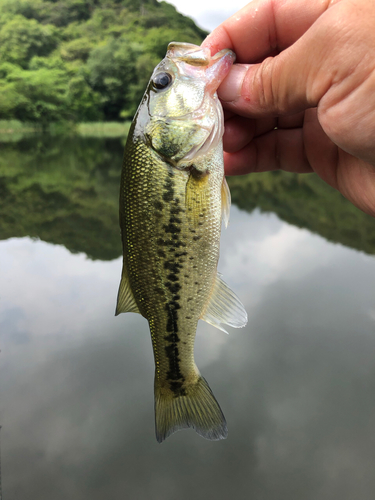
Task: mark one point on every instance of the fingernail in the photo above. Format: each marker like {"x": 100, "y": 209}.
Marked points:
{"x": 230, "y": 89}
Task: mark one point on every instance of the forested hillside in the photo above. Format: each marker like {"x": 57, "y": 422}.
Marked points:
{"x": 82, "y": 60}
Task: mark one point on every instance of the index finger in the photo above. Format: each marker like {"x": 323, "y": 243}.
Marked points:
{"x": 263, "y": 27}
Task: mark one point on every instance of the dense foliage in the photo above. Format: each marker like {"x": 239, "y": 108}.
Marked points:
{"x": 65, "y": 191}
{"x": 82, "y": 60}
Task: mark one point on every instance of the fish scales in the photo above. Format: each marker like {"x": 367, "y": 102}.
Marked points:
{"x": 170, "y": 218}
{"x": 181, "y": 218}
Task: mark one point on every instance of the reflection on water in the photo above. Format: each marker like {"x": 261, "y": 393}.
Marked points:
{"x": 296, "y": 385}
{"x": 62, "y": 190}
{"x": 65, "y": 190}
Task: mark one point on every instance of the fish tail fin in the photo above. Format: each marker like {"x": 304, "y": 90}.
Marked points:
{"x": 194, "y": 407}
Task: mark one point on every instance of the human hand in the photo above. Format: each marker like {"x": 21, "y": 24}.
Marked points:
{"x": 312, "y": 75}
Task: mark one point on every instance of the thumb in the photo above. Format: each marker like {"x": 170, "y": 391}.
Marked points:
{"x": 292, "y": 81}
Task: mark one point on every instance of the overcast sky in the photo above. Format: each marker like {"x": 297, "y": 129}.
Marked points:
{"x": 208, "y": 13}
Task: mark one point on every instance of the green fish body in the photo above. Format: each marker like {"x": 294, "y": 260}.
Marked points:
{"x": 173, "y": 196}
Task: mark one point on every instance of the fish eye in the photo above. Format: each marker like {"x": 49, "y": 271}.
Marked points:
{"x": 161, "y": 81}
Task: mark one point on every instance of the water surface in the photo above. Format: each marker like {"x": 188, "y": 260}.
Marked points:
{"x": 296, "y": 385}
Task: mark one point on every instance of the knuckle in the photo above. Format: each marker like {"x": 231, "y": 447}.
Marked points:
{"x": 268, "y": 87}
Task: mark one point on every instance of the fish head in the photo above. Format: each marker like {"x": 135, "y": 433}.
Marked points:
{"x": 182, "y": 115}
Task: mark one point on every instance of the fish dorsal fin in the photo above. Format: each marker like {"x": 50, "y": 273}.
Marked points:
{"x": 225, "y": 202}
{"x": 125, "y": 297}
{"x": 224, "y": 307}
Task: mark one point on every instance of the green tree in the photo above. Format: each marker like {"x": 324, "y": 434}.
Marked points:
{"x": 21, "y": 39}
{"x": 112, "y": 72}
{"x": 38, "y": 95}
{"x": 82, "y": 101}
{"x": 82, "y": 59}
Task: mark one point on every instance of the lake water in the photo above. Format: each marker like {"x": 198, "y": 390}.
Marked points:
{"x": 297, "y": 385}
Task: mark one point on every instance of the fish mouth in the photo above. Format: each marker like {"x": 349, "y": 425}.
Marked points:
{"x": 195, "y": 55}
{"x": 219, "y": 68}
{"x": 189, "y": 53}
{"x": 210, "y": 114}
{"x": 215, "y": 68}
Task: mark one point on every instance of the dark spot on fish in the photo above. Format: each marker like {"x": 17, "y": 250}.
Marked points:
{"x": 172, "y": 305}
{"x": 188, "y": 317}
{"x": 198, "y": 174}
{"x": 196, "y": 238}
{"x": 168, "y": 196}
{"x": 178, "y": 244}
{"x": 192, "y": 230}
{"x": 174, "y": 220}
{"x": 186, "y": 276}
{"x": 169, "y": 191}
{"x": 172, "y": 266}
{"x": 200, "y": 223}
{"x": 191, "y": 258}
{"x": 177, "y": 389}
{"x": 158, "y": 205}
{"x": 176, "y": 210}
{"x": 176, "y": 297}
{"x": 196, "y": 283}
{"x": 173, "y": 287}
{"x": 172, "y": 325}
{"x": 174, "y": 374}
{"x": 172, "y": 337}
{"x": 180, "y": 254}
{"x": 174, "y": 371}
{"x": 172, "y": 277}
{"x": 171, "y": 228}
{"x": 201, "y": 215}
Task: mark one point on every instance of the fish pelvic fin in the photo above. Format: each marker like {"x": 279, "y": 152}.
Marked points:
{"x": 224, "y": 307}
{"x": 125, "y": 298}
{"x": 195, "y": 407}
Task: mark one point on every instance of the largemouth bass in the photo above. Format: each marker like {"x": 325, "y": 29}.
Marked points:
{"x": 172, "y": 201}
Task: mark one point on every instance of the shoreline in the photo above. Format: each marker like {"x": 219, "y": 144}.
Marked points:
{"x": 13, "y": 130}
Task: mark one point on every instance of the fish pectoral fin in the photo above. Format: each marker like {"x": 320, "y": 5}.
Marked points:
{"x": 225, "y": 201}
{"x": 224, "y": 307}
{"x": 125, "y": 298}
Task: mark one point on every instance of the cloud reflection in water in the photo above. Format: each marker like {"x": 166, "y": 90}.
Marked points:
{"x": 296, "y": 385}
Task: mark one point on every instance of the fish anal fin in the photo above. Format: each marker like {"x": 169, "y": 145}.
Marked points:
{"x": 224, "y": 307}
{"x": 125, "y": 297}
{"x": 225, "y": 202}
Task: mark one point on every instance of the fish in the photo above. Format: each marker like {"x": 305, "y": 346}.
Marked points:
{"x": 173, "y": 199}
